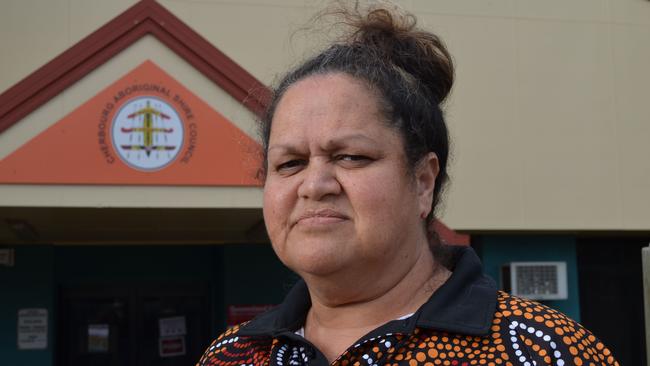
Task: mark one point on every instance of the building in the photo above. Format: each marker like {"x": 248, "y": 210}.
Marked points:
{"x": 109, "y": 260}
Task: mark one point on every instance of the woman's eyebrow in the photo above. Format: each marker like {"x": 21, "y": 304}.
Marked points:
{"x": 346, "y": 139}
{"x": 331, "y": 144}
{"x": 283, "y": 149}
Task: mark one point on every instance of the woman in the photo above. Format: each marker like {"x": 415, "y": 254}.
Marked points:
{"x": 356, "y": 155}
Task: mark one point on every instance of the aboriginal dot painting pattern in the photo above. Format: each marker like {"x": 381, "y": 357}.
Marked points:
{"x": 523, "y": 333}
{"x": 230, "y": 350}
{"x": 539, "y": 335}
{"x": 291, "y": 355}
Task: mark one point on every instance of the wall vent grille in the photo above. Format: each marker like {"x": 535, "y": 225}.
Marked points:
{"x": 539, "y": 280}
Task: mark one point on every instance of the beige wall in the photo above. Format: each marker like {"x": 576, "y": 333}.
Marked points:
{"x": 549, "y": 115}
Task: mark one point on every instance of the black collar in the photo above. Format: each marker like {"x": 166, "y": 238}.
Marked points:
{"x": 465, "y": 304}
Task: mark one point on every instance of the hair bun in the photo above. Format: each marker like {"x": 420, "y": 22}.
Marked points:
{"x": 395, "y": 38}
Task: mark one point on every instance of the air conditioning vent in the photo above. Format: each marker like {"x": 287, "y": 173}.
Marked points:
{"x": 539, "y": 280}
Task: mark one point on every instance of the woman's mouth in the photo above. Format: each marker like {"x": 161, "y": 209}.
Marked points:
{"x": 320, "y": 217}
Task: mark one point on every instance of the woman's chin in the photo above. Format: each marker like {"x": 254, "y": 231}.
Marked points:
{"x": 316, "y": 262}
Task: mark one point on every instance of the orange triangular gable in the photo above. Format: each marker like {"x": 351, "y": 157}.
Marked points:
{"x": 144, "y": 115}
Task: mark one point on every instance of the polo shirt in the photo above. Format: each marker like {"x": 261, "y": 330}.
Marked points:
{"x": 466, "y": 321}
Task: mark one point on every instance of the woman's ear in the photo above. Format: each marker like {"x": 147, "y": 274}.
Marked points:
{"x": 426, "y": 172}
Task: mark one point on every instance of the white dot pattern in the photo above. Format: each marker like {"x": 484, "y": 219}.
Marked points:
{"x": 537, "y": 333}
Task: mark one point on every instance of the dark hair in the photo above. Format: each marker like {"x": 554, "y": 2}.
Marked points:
{"x": 410, "y": 69}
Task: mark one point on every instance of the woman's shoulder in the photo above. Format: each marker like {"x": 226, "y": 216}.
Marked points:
{"x": 231, "y": 348}
{"x": 538, "y": 333}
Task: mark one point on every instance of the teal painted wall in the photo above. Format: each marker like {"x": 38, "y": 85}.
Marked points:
{"x": 28, "y": 284}
{"x": 91, "y": 264}
{"x": 496, "y": 250}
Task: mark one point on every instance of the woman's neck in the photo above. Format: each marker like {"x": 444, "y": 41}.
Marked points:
{"x": 340, "y": 316}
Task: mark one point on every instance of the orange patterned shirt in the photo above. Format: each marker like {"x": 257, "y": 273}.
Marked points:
{"x": 465, "y": 322}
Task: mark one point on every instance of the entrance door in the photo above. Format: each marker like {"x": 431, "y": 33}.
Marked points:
{"x": 132, "y": 325}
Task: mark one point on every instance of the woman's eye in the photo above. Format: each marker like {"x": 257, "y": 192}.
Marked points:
{"x": 353, "y": 159}
{"x": 288, "y": 165}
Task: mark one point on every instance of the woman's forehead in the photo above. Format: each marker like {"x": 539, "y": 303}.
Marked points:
{"x": 320, "y": 93}
{"x": 332, "y": 104}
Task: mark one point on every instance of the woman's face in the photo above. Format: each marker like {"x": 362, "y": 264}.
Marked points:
{"x": 338, "y": 195}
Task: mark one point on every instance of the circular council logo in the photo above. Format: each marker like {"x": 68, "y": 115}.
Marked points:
{"x": 147, "y": 133}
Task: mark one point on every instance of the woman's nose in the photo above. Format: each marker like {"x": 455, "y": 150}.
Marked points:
{"x": 319, "y": 181}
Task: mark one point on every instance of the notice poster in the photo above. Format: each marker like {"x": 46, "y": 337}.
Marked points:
{"x": 171, "y": 346}
{"x": 32, "y": 329}
{"x": 172, "y": 336}
{"x": 172, "y": 326}
{"x": 98, "y": 336}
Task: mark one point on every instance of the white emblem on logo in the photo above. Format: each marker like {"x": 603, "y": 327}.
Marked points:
{"x": 147, "y": 133}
